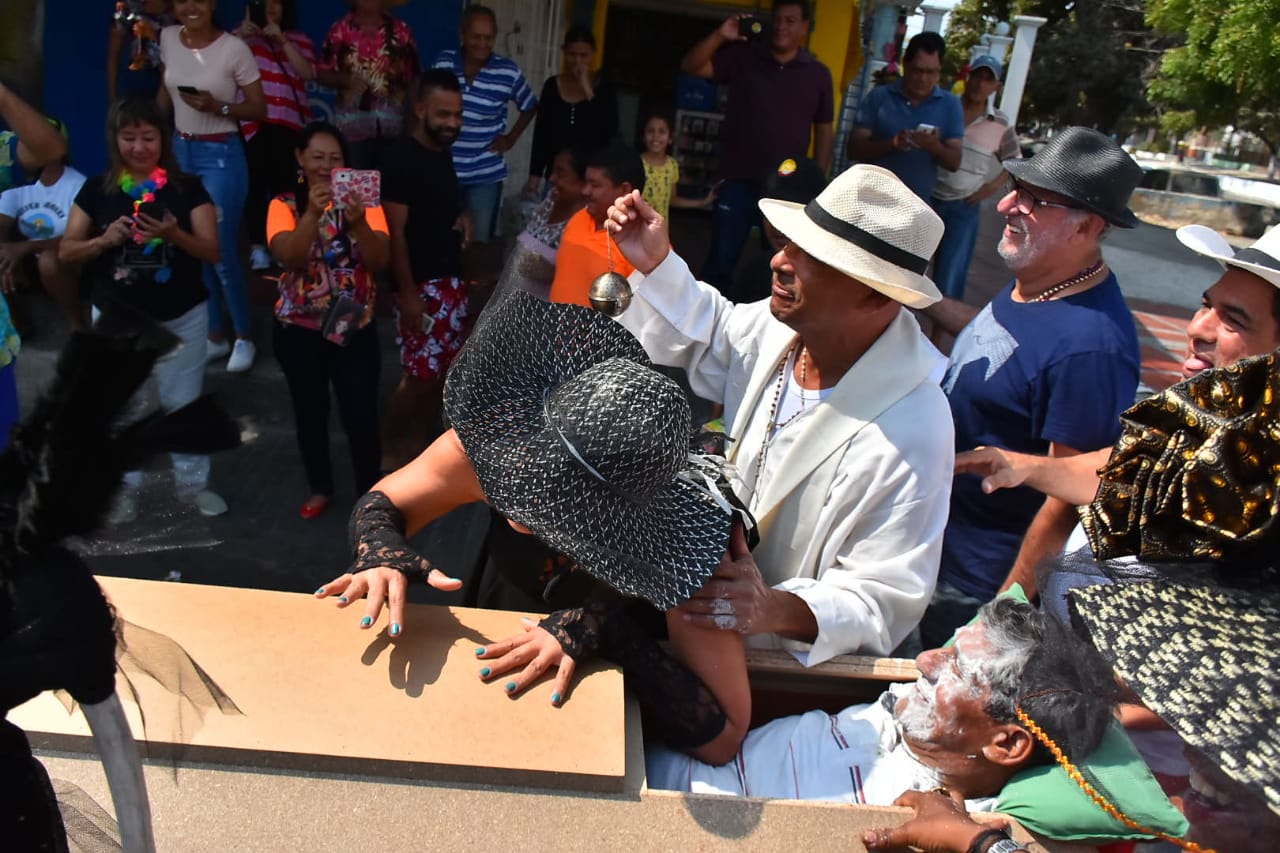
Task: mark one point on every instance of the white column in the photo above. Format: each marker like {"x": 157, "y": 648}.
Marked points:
{"x": 933, "y": 16}
{"x": 1015, "y": 77}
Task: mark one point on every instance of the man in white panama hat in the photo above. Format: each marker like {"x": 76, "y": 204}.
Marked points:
{"x": 842, "y": 443}
{"x": 1239, "y": 316}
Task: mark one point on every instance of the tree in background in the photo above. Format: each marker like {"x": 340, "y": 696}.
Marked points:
{"x": 1091, "y": 63}
{"x": 1226, "y": 73}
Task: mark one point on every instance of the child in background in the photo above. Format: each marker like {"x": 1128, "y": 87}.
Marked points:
{"x": 662, "y": 172}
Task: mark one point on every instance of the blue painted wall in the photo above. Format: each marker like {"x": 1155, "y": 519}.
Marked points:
{"x": 75, "y": 56}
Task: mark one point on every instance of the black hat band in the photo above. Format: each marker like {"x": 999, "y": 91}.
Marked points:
{"x": 865, "y": 240}
{"x": 1257, "y": 257}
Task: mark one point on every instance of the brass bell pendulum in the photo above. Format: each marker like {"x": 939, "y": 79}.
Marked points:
{"x": 610, "y": 293}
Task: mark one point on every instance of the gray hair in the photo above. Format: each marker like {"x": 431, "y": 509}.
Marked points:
{"x": 1056, "y": 679}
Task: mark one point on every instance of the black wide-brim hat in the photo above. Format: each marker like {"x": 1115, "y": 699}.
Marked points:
{"x": 573, "y": 435}
{"x": 1087, "y": 167}
{"x": 1201, "y": 654}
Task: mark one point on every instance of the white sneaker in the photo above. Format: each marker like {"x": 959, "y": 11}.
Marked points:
{"x": 260, "y": 258}
{"x": 215, "y": 350}
{"x": 242, "y": 356}
{"x": 209, "y": 503}
{"x": 124, "y": 509}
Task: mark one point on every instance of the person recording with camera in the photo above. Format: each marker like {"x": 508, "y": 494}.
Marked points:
{"x": 778, "y": 94}
{"x": 912, "y": 126}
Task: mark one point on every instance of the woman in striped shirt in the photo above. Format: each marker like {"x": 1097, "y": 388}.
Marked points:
{"x": 286, "y": 60}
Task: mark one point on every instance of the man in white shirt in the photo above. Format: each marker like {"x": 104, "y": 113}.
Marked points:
{"x": 957, "y": 726}
{"x": 842, "y": 444}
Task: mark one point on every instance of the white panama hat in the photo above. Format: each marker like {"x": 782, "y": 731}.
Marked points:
{"x": 868, "y": 225}
{"x": 1262, "y": 258}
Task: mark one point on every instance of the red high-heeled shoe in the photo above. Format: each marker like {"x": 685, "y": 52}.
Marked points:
{"x": 314, "y": 507}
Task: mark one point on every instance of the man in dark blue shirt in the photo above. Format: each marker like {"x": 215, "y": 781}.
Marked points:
{"x": 1047, "y": 367}
{"x": 912, "y": 126}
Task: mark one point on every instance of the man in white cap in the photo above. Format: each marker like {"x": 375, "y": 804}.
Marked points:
{"x": 1239, "y": 316}
{"x": 842, "y": 444}
{"x": 988, "y": 141}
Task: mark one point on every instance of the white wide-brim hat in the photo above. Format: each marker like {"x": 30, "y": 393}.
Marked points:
{"x": 868, "y": 225}
{"x": 1262, "y": 258}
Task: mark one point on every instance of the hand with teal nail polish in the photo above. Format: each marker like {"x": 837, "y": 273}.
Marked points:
{"x": 395, "y": 629}
{"x": 366, "y": 621}
{"x": 528, "y": 656}
{"x": 555, "y": 699}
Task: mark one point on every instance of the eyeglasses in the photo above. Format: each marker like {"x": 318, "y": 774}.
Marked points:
{"x": 1026, "y": 202}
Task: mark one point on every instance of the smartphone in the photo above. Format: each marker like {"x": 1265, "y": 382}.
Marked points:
{"x": 926, "y": 128}
{"x": 365, "y": 184}
{"x": 258, "y": 13}
{"x": 188, "y": 90}
{"x": 753, "y": 27}
{"x": 154, "y": 209}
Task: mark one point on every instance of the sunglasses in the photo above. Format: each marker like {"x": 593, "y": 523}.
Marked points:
{"x": 1026, "y": 202}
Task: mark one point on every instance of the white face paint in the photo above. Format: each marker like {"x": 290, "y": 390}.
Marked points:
{"x": 951, "y": 682}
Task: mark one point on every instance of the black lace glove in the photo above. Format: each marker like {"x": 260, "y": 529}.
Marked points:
{"x": 677, "y": 706}
{"x": 376, "y": 536}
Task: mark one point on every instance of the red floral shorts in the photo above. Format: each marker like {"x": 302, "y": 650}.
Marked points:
{"x": 427, "y": 351}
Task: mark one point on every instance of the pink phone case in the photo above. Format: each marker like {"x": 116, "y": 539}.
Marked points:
{"x": 365, "y": 183}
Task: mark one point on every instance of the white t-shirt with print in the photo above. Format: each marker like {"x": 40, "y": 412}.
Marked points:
{"x": 40, "y": 211}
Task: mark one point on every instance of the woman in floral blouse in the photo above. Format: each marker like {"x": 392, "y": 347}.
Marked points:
{"x": 324, "y": 332}
{"x": 371, "y": 59}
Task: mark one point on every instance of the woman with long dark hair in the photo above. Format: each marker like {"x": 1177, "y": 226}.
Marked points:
{"x": 206, "y": 71}
{"x": 286, "y": 59}
{"x": 324, "y": 333}
{"x": 142, "y": 231}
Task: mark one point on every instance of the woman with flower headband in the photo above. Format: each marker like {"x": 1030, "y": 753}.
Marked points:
{"x": 142, "y": 230}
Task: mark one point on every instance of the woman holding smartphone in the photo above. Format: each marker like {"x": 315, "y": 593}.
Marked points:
{"x": 142, "y": 231}
{"x": 213, "y": 83}
{"x": 330, "y": 243}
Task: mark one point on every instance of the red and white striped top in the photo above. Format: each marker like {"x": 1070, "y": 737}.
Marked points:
{"x": 285, "y": 90}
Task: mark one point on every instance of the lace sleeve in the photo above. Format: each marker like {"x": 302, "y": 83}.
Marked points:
{"x": 376, "y": 536}
{"x": 678, "y": 708}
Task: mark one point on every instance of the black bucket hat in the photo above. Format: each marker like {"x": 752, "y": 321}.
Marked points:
{"x": 1086, "y": 167}
{"x": 573, "y": 435}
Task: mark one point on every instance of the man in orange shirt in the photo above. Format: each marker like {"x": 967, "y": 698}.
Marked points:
{"x": 586, "y": 249}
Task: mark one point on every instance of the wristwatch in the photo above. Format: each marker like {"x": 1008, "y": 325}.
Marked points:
{"x": 1006, "y": 845}
{"x": 1002, "y": 844}
{"x": 224, "y": 110}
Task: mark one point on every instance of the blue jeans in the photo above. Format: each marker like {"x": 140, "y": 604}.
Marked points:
{"x": 951, "y": 263}
{"x": 225, "y": 173}
{"x": 483, "y": 200}
{"x": 736, "y": 212}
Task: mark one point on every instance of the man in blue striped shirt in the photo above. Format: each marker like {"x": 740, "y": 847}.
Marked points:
{"x": 488, "y": 82}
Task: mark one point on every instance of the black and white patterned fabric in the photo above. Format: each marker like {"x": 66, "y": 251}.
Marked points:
{"x": 1203, "y": 657}
{"x": 573, "y": 435}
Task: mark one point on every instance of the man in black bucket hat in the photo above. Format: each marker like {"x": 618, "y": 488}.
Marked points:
{"x": 1046, "y": 367}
